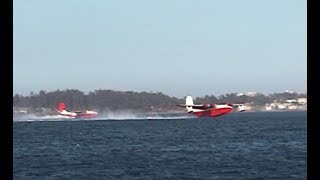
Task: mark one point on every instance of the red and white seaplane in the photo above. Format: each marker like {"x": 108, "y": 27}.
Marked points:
{"x": 209, "y": 110}
{"x": 75, "y": 114}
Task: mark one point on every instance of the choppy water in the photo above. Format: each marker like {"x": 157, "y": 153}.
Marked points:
{"x": 236, "y": 146}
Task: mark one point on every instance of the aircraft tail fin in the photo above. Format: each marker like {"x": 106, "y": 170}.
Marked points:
{"x": 189, "y": 103}
{"x": 61, "y": 106}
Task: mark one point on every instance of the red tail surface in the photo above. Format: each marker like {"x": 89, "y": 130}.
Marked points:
{"x": 61, "y": 106}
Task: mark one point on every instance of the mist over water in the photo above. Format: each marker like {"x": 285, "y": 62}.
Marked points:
{"x": 105, "y": 115}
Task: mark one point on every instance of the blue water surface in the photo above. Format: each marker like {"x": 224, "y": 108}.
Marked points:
{"x": 251, "y": 145}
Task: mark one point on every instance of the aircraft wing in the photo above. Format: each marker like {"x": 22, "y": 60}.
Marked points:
{"x": 195, "y": 106}
{"x": 198, "y": 106}
{"x": 236, "y": 105}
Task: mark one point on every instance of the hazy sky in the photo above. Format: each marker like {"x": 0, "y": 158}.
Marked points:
{"x": 178, "y": 47}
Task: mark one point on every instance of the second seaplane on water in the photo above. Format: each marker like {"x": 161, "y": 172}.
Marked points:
{"x": 75, "y": 114}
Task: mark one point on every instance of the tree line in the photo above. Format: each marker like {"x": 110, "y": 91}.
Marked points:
{"x": 143, "y": 101}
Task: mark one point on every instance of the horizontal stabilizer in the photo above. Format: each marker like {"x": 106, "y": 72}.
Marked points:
{"x": 181, "y": 105}
{"x": 195, "y": 105}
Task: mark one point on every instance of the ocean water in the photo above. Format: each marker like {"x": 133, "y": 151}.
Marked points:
{"x": 250, "y": 145}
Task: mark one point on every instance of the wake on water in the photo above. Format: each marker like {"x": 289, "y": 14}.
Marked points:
{"x": 117, "y": 115}
{"x": 34, "y": 117}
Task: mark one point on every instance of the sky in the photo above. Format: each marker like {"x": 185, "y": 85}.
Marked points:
{"x": 177, "y": 47}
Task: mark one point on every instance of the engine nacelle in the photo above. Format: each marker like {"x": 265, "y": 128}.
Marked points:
{"x": 189, "y": 109}
{"x": 241, "y": 108}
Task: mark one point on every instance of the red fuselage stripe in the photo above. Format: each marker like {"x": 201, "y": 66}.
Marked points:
{"x": 213, "y": 112}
